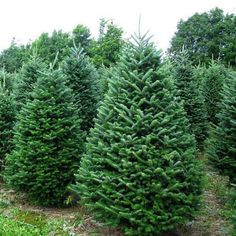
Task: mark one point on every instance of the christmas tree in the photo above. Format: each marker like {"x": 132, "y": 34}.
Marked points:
{"x": 222, "y": 145}
{"x": 47, "y": 142}
{"x": 189, "y": 92}
{"x": 140, "y": 172}
{"x": 83, "y": 79}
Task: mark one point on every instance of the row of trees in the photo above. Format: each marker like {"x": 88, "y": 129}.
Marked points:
{"x": 206, "y": 36}
{"x": 130, "y": 132}
{"x": 102, "y": 51}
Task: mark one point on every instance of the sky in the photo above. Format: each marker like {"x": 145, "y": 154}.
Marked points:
{"x": 25, "y": 20}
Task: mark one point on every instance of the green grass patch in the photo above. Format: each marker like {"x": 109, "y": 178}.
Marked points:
{"x": 29, "y": 224}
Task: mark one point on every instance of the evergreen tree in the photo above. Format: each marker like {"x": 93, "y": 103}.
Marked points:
{"x": 212, "y": 85}
{"x": 140, "y": 171}
{"x": 47, "y": 142}
{"x": 83, "y": 79}
{"x": 7, "y": 119}
{"x": 26, "y": 80}
{"x": 189, "y": 92}
{"x": 222, "y": 146}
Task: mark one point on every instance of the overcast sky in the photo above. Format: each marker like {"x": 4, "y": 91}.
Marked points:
{"x": 27, "y": 19}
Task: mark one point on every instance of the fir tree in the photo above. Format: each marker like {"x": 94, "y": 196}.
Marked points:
{"x": 47, "y": 142}
{"x": 7, "y": 119}
{"x": 83, "y": 80}
{"x": 140, "y": 171}
{"x": 212, "y": 85}
{"x": 222, "y": 146}
{"x": 26, "y": 80}
{"x": 189, "y": 92}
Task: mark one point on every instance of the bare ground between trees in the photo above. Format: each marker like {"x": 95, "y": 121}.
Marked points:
{"x": 210, "y": 222}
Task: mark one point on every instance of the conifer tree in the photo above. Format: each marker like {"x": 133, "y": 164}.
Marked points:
{"x": 212, "y": 85}
{"x": 189, "y": 92}
{"x": 7, "y": 119}
{"x": 83, "y": 80}
{"x": 222, "y": 146}
{"x": 139, "y": 172}
{"x": 26, "y": 80}
{"x": 47, "y": 142}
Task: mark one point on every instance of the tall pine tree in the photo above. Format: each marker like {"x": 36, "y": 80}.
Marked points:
{"x": 189, "y": 92}
{"x": 140, "y": 171}
{"x": 47, "y": 142}
{"x": 83, "y": 79}
{"x": 222, "y": 146}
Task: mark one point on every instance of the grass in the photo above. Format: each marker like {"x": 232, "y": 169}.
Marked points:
{"x": 215, "y": 216}
{"x": 18, "y": 217}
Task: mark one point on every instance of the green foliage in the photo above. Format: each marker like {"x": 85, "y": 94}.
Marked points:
{"x": 57, "y": 45}
{"x": 189, "y": 92}
{"x": 206, "y": 36}
{"x": 13, "y": 57}
{"x": 212, "y": 85}
{"x": 25, "y": 81}
{"x": 105, "y": 73}
{"x": 140, "y": 172}
{"x": 8, "y": 79}
{"x": 233, "y": 209}
{"x": 11, "y": 226}
{"x": 7, "y": 119}
{"x": 47, "y": 142}
{"x": 83, "y": 79}
{"x": 106, "y": 50}
{"x": 49, "y": 47}
{"x": 81, "y": 36}
{"x": 222, "y": 145}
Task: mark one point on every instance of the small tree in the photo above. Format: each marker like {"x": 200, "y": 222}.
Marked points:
{"x": 140, "y": 171}
{"x": 189, "y": 92}
{"x": 83, "y": 79}
{"x": 47, "y": 142}
{"x": 222, "y": 146}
